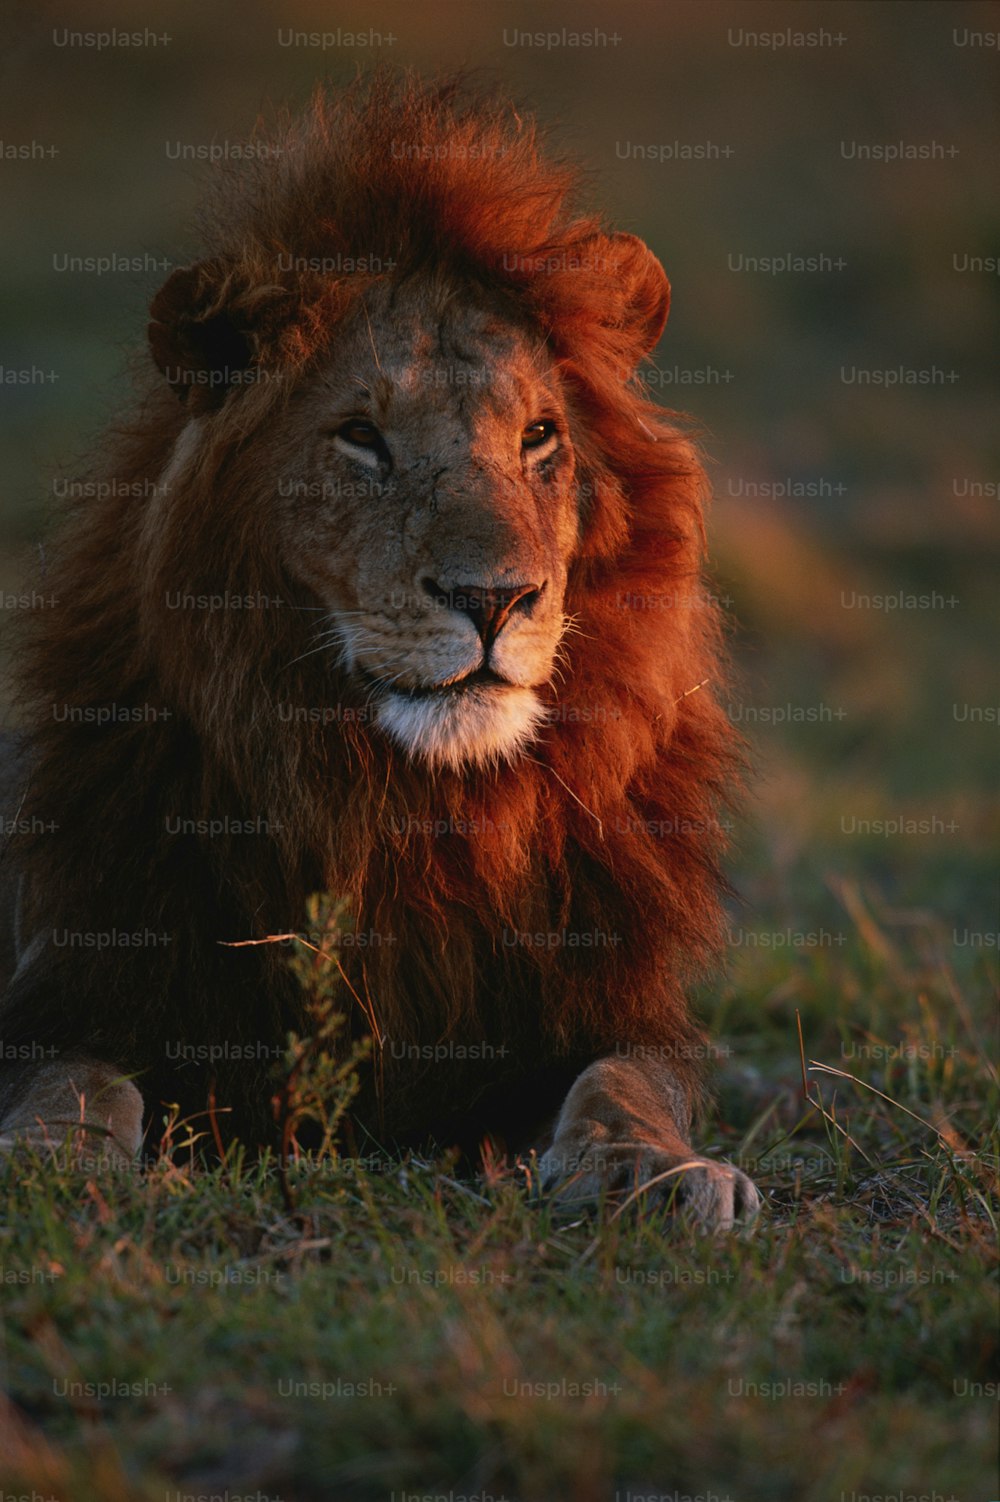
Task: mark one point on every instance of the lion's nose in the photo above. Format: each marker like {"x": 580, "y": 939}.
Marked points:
{"x": 488, "y": 609}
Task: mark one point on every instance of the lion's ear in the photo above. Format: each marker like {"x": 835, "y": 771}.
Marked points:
{"x": 207, "y": 329}
{"x": 638, "y": 290}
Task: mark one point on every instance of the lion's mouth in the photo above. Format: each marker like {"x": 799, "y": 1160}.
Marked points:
{"x": 482, "y": 677}
{"x": 477, "y": 718}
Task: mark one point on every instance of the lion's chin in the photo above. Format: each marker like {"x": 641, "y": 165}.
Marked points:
{"x": 482, "y": 725}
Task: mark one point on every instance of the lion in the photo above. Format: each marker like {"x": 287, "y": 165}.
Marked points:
{"x": 393, "y": 590}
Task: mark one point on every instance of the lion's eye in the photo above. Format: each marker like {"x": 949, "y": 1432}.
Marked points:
{"x": 363, "y": 435}
{"x": 363, "y": 442}
{"x": 538, "y": 433}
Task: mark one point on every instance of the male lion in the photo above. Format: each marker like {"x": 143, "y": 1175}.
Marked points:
{"x": 392, "y": 590}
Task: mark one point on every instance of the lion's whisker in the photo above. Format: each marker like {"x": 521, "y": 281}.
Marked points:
{"x": 323, "y": 647}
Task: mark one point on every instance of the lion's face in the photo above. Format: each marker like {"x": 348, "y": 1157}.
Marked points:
{"x": 427, "y": 503}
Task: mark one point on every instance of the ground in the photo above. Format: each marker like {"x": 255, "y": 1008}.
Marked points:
{"x": 399, "y": 1331}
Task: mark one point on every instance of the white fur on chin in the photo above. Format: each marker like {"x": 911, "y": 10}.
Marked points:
{"x": 479, "y": 726}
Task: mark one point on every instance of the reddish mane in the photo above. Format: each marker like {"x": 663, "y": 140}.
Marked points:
{"x": 611, "y": 825}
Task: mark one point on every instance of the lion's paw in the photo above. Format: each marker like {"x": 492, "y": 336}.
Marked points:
{"x": 717, "y": 1196}
{"x": 86, "y": 1103}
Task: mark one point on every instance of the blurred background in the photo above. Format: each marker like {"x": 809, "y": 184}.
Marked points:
{"x": 819, "y": 182}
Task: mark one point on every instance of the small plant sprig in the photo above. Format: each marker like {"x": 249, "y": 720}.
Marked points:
{"x": 320, "y": 1072}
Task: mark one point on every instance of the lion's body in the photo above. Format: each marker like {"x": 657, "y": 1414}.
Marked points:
{"x": 531, "y": 861}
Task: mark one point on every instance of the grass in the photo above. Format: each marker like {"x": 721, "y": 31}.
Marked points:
{"x": 402, "y": 1332}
